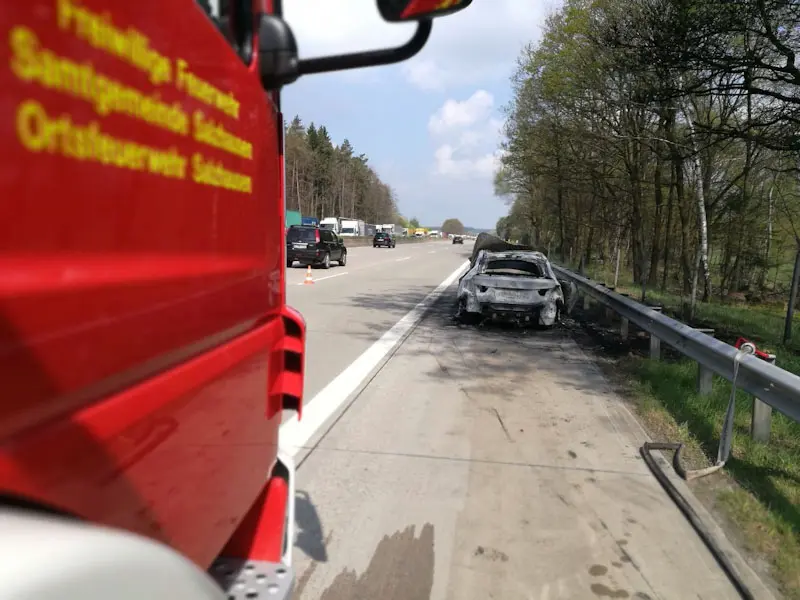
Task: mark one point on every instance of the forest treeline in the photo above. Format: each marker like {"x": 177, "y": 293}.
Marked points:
{"x": 664, "y": 132}
{"x": 326, "y": 180}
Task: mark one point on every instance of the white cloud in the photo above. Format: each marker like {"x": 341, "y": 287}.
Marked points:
{"x": 324, "y": 27}
{"x": 467, "y": 134}
{"x": 458, "y": 115}
{"x": 425, "y": 75}
{"x": 449, "y": 164}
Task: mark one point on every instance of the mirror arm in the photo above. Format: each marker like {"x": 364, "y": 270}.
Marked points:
{"x": 372, "y": 58}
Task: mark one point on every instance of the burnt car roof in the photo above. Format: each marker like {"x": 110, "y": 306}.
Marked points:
{"x": 526, "y": 255}
{"x": 492, "y": 243}
{"x": 495, "y": 245}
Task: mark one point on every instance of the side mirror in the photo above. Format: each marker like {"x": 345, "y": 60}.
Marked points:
{"x": 398, "y": 11}
{"x": 277, "y": 52}
{"x": 280, "y": 64}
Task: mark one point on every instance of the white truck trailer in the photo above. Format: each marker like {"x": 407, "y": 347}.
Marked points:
{"x": 331, "y": 223}
{"x": 353, "y": 228}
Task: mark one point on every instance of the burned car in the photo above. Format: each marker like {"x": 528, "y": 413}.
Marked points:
{"x": 510, "y": 283}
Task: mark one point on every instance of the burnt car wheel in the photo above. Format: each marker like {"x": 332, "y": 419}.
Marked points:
{"x": 556, "y": 320}
{"x": 464, "y": 317}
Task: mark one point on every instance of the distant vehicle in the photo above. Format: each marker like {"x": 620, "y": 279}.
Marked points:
{"x": 331, "y": 223}
{"x": 457, "y": 239}
{"x": 510, "y": 285}
{"x": 384, "y": 239}
{"x": 314, "y": 246}
{"x": 391, "y": 228}
{"x": 309, "y": 221}
{"x": 352, "y": 228}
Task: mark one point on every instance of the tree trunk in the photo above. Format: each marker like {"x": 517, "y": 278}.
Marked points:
{"x": 768, "y": 242}
{"x": 787, "y": 325}
{"x": 658, "y": 197}
{"x": 702, "y": 219}
{"x": 668, "y": 231}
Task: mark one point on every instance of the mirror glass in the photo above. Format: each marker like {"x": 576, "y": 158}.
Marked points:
{"x": 412, "y": 10}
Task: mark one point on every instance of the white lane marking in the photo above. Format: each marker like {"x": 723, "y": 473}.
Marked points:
{"x": 402, "y": 259}
{"x": 323, "y": 278}
{"x": 295, "y": 434}
{"x": 432, "y": 252}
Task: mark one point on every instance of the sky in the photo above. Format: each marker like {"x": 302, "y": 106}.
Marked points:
{"x": 431, "y": 126}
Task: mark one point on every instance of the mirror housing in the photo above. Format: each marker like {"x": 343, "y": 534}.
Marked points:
{"x": 277, "y": 52}
{"x": 399, "y": 11}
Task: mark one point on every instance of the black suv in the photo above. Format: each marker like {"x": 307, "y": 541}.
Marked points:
{"x": 457, "y": 239}
{"x": 384, "y": 238}
{"x": 314, "y": 246}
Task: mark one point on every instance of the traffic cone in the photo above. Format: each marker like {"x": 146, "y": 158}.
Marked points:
{"x": 308, "y": 280}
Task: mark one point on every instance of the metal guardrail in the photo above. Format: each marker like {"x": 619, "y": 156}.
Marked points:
{"x": 359, "y": 241}
{"x": 778, "y": 388}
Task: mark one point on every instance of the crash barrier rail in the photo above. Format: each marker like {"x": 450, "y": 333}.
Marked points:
{"x": 367, "y": 240}
{"x": 770, "y": 386}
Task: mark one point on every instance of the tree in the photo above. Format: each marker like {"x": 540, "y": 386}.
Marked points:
{"x": 453, "y": 226}
{"x": 654, "y": 134}
{"x": 503, "y": 228}
{"x": 413, "y": 223}
{"x": 324, "y": 180}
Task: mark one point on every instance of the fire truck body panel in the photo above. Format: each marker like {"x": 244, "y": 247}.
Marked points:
{"x": 145, "y": 341}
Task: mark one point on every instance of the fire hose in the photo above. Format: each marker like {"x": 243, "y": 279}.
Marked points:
{"x": 723, "y": 454}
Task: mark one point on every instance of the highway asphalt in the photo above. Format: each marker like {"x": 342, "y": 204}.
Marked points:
{"x": 439, "y": 461}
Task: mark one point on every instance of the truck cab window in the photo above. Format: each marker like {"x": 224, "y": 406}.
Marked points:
{"x": 236, "y": 31}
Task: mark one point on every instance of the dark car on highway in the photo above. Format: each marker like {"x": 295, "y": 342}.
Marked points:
{"x": 384, "y": 238}
{"x": 457, "y": 239}
{"x": 314, "y": 246}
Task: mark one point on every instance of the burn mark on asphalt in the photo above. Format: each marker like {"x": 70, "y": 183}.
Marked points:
{"x": 606, "y": 592}
{"x": 491, "y": 554}
{"x": 400, "y": 569}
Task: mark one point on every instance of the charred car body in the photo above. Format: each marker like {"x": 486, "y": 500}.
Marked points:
{"x": 510, "y": 283}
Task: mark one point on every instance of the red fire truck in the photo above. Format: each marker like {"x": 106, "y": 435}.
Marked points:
{"x": 147, "y": 354}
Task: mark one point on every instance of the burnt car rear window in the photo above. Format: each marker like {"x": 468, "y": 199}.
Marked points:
{"x": 302, "y": 235}
{"x": 511, "y": 266}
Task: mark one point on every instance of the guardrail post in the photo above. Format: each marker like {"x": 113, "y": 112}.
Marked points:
{"x": 587, "y": 301}
{"x": 655, "y": 347}
{"x": 624, "y": 326}
{"x": 761, "y": 424}
{"x": 705, "y": 376}
{"x": 655, "y": 343}
{"x": 609, "y": 311}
